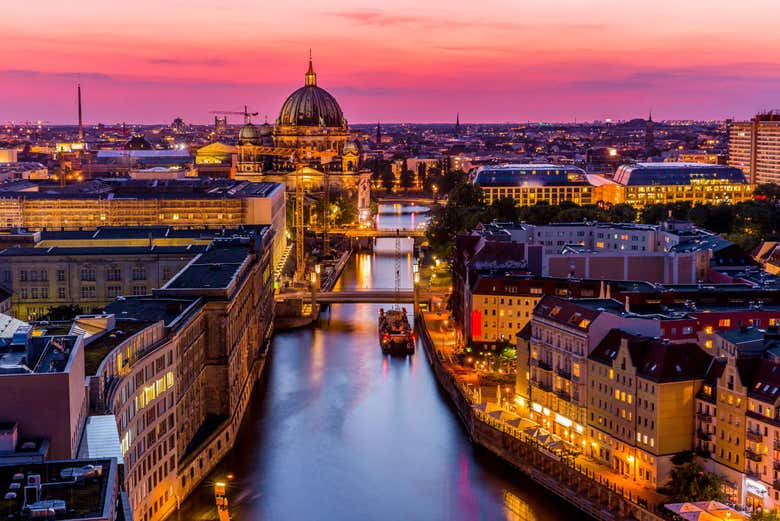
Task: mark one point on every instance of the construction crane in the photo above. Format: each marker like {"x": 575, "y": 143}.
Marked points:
{"x": 247, "y": 115}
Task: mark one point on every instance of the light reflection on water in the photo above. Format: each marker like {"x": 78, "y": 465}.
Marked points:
{"x": 339, "y": 431}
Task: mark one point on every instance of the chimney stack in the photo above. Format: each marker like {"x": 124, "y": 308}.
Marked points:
{"x": 81, "y": 125}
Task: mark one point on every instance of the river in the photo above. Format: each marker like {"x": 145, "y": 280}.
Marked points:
{"x": 337, "y": 431}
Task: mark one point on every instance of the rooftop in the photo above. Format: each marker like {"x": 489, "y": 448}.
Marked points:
{"x": 148, "y": 309}
{"x": 28, "y": 352}
{"x": 216, "y": 268}
{"x": 656, "y": 360}
{"x": 83, "y": 498}
{"x": 102, "y": 250}
{"x": 677, "y": 174}
{"x": 155, "y": 189}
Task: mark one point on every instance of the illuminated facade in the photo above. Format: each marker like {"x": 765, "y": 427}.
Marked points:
{"x": 179, "y": 387}
{"x": 641, "y": 402}
{"x": 694, "y": 183}
{"x": 754, "y": 147}
{"x": 563, "y": 334}
{"x": 179, "y": 204}
{"x": 531, "y": 184}
{"x": 738, "y": 416}
{"x": 308, "y": 145}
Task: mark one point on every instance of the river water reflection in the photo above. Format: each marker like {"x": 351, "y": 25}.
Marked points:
{"x": 338, "y": 431}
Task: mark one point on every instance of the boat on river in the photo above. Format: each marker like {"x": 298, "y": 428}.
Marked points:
{"x": 395, "y": 333}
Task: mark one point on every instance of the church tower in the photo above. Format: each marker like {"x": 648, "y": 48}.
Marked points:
{"x": 649, "y": 136}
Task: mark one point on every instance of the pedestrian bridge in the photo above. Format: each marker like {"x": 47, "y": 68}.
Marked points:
{"x": 354, "y": 296}
{"x": 368, "y": 232}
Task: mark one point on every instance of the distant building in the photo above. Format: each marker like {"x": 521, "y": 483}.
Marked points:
{"x": 180, "y": 204}
{"x": 8, "y": 155}
{"x": 694, "y": 183}
{"x": 531, "y": 184}
{"x": 216, "y": 160}
{"x": 23, "y": 170}
{"x": 754, "y": 147}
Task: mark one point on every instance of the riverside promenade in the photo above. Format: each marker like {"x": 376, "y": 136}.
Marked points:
{"x": 592, "y": 488}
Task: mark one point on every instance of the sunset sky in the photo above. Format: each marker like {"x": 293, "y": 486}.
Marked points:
{"x": 403, "y": 61}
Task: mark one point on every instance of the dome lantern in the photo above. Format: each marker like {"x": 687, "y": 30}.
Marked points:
{"x": 311, "y": 76}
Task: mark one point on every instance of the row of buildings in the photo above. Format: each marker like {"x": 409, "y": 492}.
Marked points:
{"x": 634, "y": 387}
{"x": 635, "y": 344}
{"x": 160, "y": 379}
{"x": 637, "y": 185}
{"x": 502, "y": 270}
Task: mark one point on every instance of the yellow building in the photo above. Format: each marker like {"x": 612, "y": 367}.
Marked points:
{"x": 216, "y": 160}
{"x": 694, "y": 183}
{"x": 641, "y": 403}
{"x": 563, "y": 333}
{"x": 531, "y": 184}
{"x": 179, "y": 204}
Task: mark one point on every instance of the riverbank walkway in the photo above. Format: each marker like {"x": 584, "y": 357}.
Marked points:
{"x": 443, "y": 340}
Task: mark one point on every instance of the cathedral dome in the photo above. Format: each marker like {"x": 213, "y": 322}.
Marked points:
{"x": 311, "y": 106}
{"x": 248, "y": 135}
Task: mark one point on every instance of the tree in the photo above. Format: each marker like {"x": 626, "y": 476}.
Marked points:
{"x": 64, "y": 312}
{"x": 689, "y": 482}
{"x": 407, "y": 179}
{"x": 422, "y": 171}
{"x": 765, "y": 515}
{"x": 504, "y": 209}
{"x": 388, "y": 179}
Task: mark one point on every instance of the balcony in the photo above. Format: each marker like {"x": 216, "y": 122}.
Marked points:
{"x": 776, "y": 465}
{"x": 754, "y": 436}
{"x": 563, "y": 372}
{"x": 753, "y": 456}
{"x": 704, "y": 417}
{"x": 547, "y": 366}
{"x": 563, "y": 395}
{"x": 704, "y": 435}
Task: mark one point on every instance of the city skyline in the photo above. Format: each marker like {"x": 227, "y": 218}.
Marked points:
{"x": 497, "y": 62}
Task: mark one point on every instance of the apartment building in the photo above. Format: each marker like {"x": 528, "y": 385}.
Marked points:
{"x": 754, "y": 147}
{"x": 641, "y": 403}
{"x": 738, "y": 416}
{"x": 563, "y": 334}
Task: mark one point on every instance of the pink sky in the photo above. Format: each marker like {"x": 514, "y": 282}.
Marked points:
{"x": 416, "y": 61}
